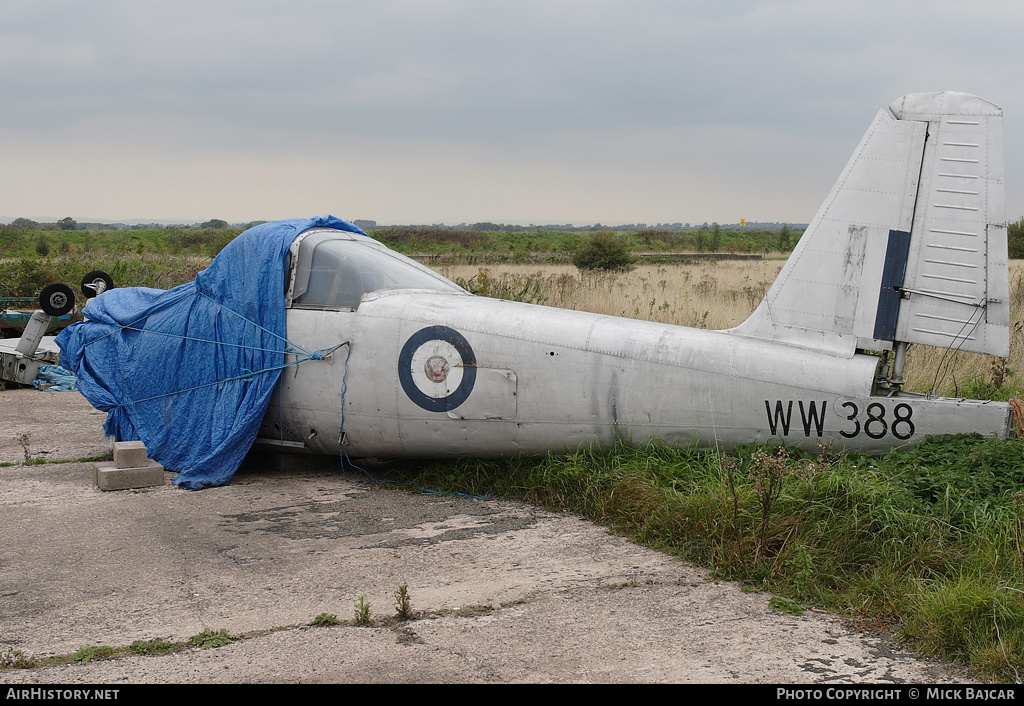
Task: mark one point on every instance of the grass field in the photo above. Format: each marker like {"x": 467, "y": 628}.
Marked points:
{"x": 711, "y": 294}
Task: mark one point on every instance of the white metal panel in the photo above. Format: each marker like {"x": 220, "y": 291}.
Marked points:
{"x": 23, "y": 369}
{"x": 494, "y": 396}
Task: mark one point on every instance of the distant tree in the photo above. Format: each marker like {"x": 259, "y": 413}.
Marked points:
{"x": 700, "y": 240}
{"x": 487, "y": 226}
{"x": 68, "y": 223}
{"x": 214, "y": 223}
{"x": 23, "y": 223}
{"x": 715, "y": 242}
{"x": 1015, "y": 238}
{"x": 604, "y": 251}
{"x": 783, "y": 239}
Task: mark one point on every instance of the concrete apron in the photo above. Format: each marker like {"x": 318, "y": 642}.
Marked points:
{"x": 504, "y": 591}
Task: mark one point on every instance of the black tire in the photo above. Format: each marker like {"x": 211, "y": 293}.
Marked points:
{"x": 57, "y": 299}
{"x": 96, "y": 282}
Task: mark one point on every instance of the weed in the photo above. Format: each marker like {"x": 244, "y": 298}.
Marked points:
{"x": 953, "y": 613}
{"x": 91, "y": 654}
{"x": 152, "y": 647}
{"x": 784, "y": 605}
{"x": 802, "y": 571}
{"x": 362, "y": 614}
{"x": 325, "y": 620}
{"x": 513, "y": 287}
{"x": 769, "y": 471}
{"x": 604, "y": 251}
{"x": 999, "y": 371}
{"x": 1018, "y": 526}
{"x": 403, "y": 603}
{"x": 731, "y": 465}
{"x": 473, "y": 611}
{"x": 15, "y": 659}
{"x": 208, "y": 639}
{"x": 23, "y": 440}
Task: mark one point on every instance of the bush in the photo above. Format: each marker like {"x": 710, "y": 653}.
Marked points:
{"x": 604, "y": 251}
{"x": 1015, "y": 238}
{"x": 42, "y": 246}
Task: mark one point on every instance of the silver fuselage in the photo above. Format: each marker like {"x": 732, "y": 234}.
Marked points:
{"x": 553, "y": 380}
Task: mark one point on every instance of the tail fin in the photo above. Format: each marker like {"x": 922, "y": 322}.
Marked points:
{"x": 910, "y": 245}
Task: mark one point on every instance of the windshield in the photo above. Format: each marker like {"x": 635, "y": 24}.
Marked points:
{"x": 335, "y": 273}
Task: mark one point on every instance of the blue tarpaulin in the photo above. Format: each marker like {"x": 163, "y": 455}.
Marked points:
{"x": 190, "y": 371}
{"x": 55, "y": 379}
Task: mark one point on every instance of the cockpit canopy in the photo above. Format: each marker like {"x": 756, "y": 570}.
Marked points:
{"x": 333, "y": 269}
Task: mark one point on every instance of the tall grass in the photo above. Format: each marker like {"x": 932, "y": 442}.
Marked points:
{"x": 515, "y": 246}
{"x": 711, "y": 294}
{"x": 24, "y": 277}
{"x": 960, "y": 374}
{"x": 26, "y": 242}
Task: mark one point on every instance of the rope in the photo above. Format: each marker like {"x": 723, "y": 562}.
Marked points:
{"x": 346, "y": 462}
{"x": 1018, "y": 415}
{"x": 313, "y": 355}
{"x": 166, "y": 304}
{"x": 247, "y": 376}
{"x": 343, "y": 454}
{"x": 946, "y": 358}
{"x": 128, "y": 327}
{"x": 301, "y": 354}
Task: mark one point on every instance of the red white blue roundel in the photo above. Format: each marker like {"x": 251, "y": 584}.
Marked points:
{"x": 437, "y": 368}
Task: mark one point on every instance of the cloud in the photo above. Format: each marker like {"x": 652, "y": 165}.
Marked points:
{"x": 633, "y": 103}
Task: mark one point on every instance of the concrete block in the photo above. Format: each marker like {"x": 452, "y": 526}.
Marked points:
{"x": 109, "y": 477}
{"x": 129, "y": 454}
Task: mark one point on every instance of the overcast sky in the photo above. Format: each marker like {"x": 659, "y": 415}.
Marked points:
{"x": 514, "y": 111}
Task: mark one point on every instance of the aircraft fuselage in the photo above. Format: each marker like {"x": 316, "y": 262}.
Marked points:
{"x": 442, "y": 375}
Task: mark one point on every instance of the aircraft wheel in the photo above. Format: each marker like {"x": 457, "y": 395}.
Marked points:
{"x": 96, "y": 282}
{"x": 57, "y": 299}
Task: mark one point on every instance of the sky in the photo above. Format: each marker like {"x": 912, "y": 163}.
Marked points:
{"x": 461, "y": 111}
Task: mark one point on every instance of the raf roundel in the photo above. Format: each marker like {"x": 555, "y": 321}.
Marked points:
{"x": 437, "y": 368}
